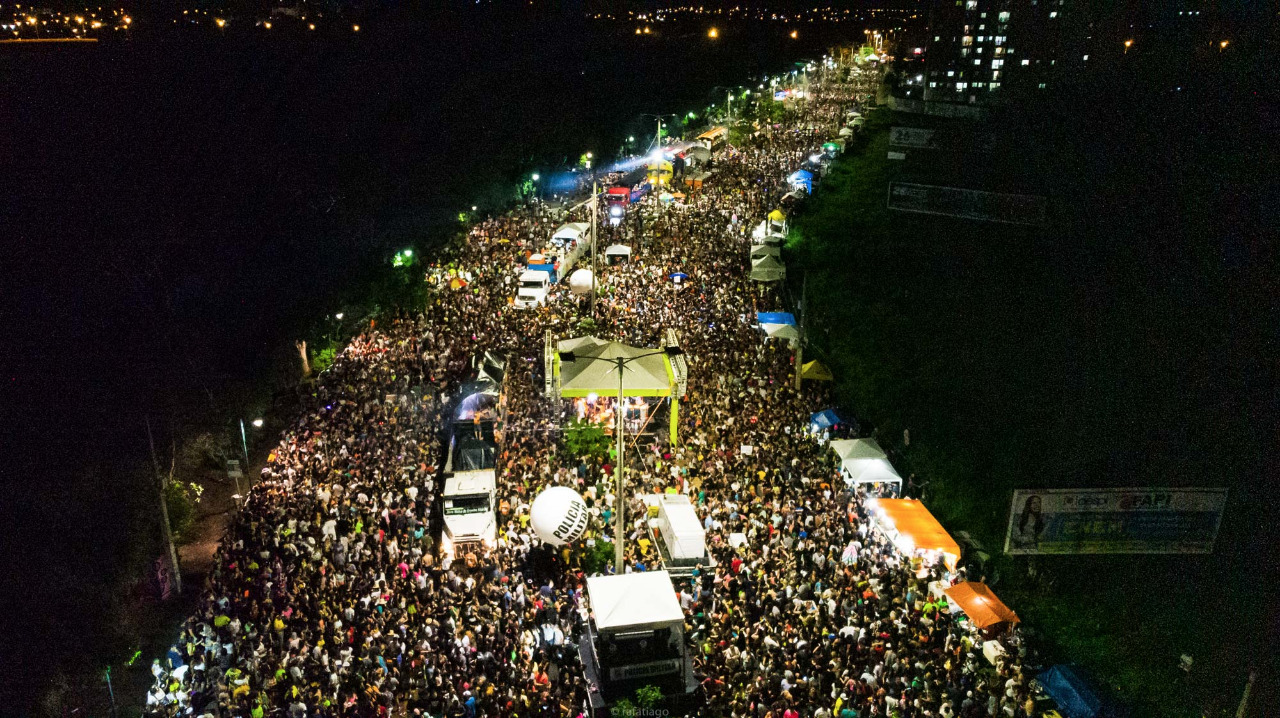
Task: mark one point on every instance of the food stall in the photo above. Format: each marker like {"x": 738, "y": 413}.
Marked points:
{"x": 914, "y": 531}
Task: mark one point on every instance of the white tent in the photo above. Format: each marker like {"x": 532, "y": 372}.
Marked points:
{"x": 846, "y": 132}
{"x": 767, "y": 269}
{"x": 781, "y": 331}
{"x": 764, "y": 250}
{"x": 633, "y": 601}
{"x": 567, "y": 233}
{"x": 869, "y": 471}
{"x": 862, "y": 461}
{"x": 858, "y": 449}
{"x": 617, "y": 250}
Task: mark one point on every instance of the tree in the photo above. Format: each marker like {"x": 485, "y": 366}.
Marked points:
{"x": 648, "y": 697}
{"x": 302, "y": 353}
{"x": 586, "y": 439}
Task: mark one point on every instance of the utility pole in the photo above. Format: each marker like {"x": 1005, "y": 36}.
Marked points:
{"x": 111, "y": 692}
{"x": 1243, "y": 710}
{"x": 595, "y": 267}
{"x": 164, "y": 510}
{"x": 804, "y": 291}
{"x": 244, "y": 444}
{"x": 621, "y": 499}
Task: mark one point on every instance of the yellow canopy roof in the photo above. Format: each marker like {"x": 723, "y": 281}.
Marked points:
{"x": 816, "y": 371}
{"x": 980, "y": 604}
{"x": 777, "y": 215}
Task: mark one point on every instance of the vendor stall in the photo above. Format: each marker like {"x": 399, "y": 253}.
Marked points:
{"x": 823, "y": 420}
{"x": 617, "y": 253}
{"x": 982, "y": 607}
{"x": 765, "y": 250}
{"x": 815, "y": 371}
{"x": 862, "y": 461}
{"x": 801, "y": 179}
{"x": 914, "y": 531}
{"x": 767, "y": 269}
{"x": 778, "y": 325}
{"x": 1077, "y": 697}
{"x": 777, "y": 221}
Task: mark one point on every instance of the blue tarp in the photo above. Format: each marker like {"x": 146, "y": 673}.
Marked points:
{"x": 775, "y": 318}
{"x": 1075, "y": 697}
{"x": 550, "y": 269}
{"x": 824, "y": 419}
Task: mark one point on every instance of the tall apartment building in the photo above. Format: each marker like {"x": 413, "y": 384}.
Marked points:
{"x": 977, "y": 47}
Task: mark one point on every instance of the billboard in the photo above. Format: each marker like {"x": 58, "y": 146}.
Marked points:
{"x": 967, "y": 203}
{"x": 911, "y": 137}
{"x": 1147, "y": 520}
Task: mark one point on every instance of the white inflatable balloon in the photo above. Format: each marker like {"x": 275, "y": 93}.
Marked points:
{"x": 580, "y": 281}
{"x": 559, "y": 515}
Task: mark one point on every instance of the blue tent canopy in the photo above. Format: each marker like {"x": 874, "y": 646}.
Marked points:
{"x": 1076, "y": 697}
{"x": 802, "y": 178}
{"x": 775, "y": 318}
{"x": 824, "y": 419}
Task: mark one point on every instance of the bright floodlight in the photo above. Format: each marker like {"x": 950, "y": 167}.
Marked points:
{"x": 536, "y": 177}
{"x": 257, "y": 423}
{"x": 408, "y": 252}
{"x": 338, "y": 316}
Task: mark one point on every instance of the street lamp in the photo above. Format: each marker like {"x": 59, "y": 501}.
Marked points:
{"x": 244, "y": 444}
{"x": 619, "y": 364}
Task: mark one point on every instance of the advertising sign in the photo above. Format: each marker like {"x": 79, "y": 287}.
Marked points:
{"x": 644, "y": 670}
{"x": 1143, "y": 520}
{"x": 967, "y": 203}
{"x": 910, "y": 137}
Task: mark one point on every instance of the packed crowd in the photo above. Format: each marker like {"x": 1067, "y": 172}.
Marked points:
{"x": 329, "y": 596}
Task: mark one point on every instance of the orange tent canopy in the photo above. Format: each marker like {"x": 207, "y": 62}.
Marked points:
{"x": 910, "y": 520}
{"x": 980, "y": 604}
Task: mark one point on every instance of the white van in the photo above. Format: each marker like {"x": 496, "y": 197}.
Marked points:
{"x": 470, "y": 524}
{"x": 534, "y": 286}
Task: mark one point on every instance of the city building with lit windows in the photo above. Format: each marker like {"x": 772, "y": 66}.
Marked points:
{"x": 975, "y": 48}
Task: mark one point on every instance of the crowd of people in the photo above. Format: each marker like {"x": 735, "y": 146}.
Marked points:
{"x": 330, "y": 596}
